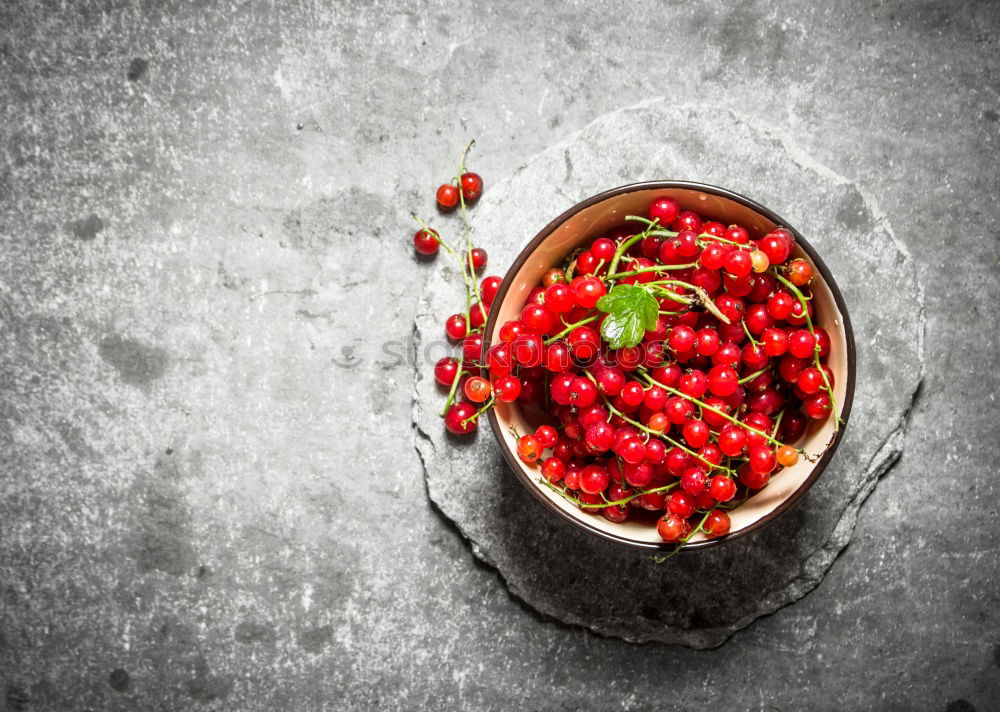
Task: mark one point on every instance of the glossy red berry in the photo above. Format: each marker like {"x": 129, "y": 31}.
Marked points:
{"x": 582, "y": 392}
{"x": 507, "y": 389}
{"x": 477, "y": 389}
{"x": 445, "y": 371}
{"x": 472, "y": 186}
{"x": 717, "y": 524}
{"x": 696, "y": 433}
{"x": 801, "y": 344}
{"x": 529, "y": 449}
{"x": 817, "y": 406}
{"x": 455, "y": 327}
{"x": 537, "y": 318}
{"x": 722, "y": 488}
{"x": 594, "y": 479}
{"x": 553, "y": 469}
{"x": 671, "y": 527}
{"x": 447, "y": 196}
{"x": 587, "y": 290}
{"x": 456, "y": 417}
{"x": 425, "y": 241}
{"x": 664, "y": 209}
{"x": 723, "y": 380}
{"x": 738, "y": 263}
{"x": 479, "y": 258}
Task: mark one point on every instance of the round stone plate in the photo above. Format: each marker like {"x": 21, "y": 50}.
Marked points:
{"x": 699, "y": 598}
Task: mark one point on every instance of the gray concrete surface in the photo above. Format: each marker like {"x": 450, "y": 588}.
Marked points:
{"x": 203, "y": 204}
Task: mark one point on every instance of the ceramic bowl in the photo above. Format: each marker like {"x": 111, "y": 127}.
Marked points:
{"x": 599, "y": 214}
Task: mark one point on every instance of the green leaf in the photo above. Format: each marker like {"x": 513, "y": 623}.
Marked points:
{"x": 632, "y": 310}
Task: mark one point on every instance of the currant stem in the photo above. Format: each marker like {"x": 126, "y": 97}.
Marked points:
{"x": 475, "y": 416}
{"x": 753, "y": 375}
{"x": 654, "y": 268}
{"x": 601, "y": 505}
{"x": 451, "y": 393}
{"x": 663, "y": 436}
{"x": 706, "y": 406}
{"x": 570, "y": 327}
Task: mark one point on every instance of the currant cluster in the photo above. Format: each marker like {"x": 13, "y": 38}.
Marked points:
{"x": 463, "y": 375}
{"x": 676, "y": 362}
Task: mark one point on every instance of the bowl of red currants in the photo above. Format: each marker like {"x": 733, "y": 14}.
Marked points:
{"x": 672, "y": 363}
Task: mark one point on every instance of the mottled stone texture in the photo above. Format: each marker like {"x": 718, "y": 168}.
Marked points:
{"x": 204, "y": 225}
{"x": 698, "y": 599}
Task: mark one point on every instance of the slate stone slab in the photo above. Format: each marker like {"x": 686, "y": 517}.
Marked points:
{"x": 697, "y": 599}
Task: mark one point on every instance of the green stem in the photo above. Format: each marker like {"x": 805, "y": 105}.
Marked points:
{"x": 601, "y": 505}
{"x": 706, "y": 406}
{"x": 454, "y": 387}
{"x": 753, "y": 375}
{"x": 663, "y": 436}
{"x": 475, "y": 416}
{"x": 570, "y": 327}
{"x": 654, "y": 268}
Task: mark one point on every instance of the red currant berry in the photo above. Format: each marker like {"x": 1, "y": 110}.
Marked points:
{"x": 478, "y": 258}
{"x": 510, "y": 331}
{"x": 670, "y": 527}
{"x": 696, "y": 433}
{"x": 774, "y": 341}
{"x": 603, "y": 249}
{"x": 632, "y": 450}
{"x": 787, "y": 456}
{"x": 716, "y": 524}
{"x": 425, "y": 241}
{"x": 537, "y": 318}
{"x": 752, "y": 479}
{"x": 587, "y": 290}
{"x": 810, "y": 380}
{"x": 738, "y": 263}
{"x": 456, "y": 417}
{"x": 682, "y": 338}
{"x": 780, "y": 305}
{"x": 553, "y": 469}
{"x": 528, "y": 350}
{"x": 817, "y": 406}
{"x": 546, "y": 436}
{"x": 559, "y": 298}
{"x": 737, "y": 233}
{"x": 477, "y": 389}
{"x": 732, "y": 440}
{"x": 801, "y": 344}
{"x": 594, "y": 479}
{"x": 455, "y": 327}
{"x": 694, "y": 481}
{"x": 507, "y": 389}
{"x": 800, "y": 272}
{"x": 664, "y": 209}
{"x": 761, "y": 459}
{"x": 445, "y": 371}
{"x": 723, "y": 380}
{"x": 472, "y": 186}
{"x": 447, "y": 196}
{"x": 681, "y": 504}
{"x": 722, "y": 488}
{"x": 488, "y": 289}
{"x": 582, "y": 392}
{"x": 529, "y": 449}
{"x": 688, "y": 220}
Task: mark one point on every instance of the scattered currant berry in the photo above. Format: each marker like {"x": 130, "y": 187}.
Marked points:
{"x": 446, "y": 370}
{"x": 455, "y": 327}
{"x": 447, "y": 196}
{"x": 478, "y": 258}
{"x": 472, "y": 186}
{"x": 456, "y": 420}
{"x": 425, "y": 241}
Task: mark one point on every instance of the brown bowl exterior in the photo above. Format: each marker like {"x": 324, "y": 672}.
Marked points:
{"x": 596, "y": 216}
